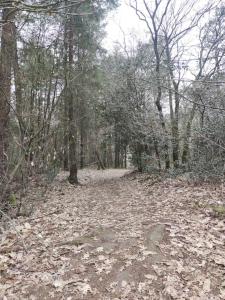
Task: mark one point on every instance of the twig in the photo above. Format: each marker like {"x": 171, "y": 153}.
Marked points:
{"x": 46, "y": 215}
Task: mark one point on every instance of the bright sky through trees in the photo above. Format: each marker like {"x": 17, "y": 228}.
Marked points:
{"x": 123, "y": 21}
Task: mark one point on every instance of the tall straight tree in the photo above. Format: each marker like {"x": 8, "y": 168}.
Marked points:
{"x": 82, "y": 39}
{"x": 70, "y": 96}
{"x": 6, "y": 55}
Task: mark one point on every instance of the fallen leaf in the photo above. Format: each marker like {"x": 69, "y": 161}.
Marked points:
{"x": 207, "y": 285}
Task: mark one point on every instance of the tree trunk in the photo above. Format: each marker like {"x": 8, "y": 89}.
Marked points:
{"x": 186, "y": 148}
{"x": 156, "y": 148}
{"x": 117, "y": 148}
{"x": 65, "y": 139}
{"x": 175, "y": 127}
{"x": 83, "y": 133}
{"x": 82, "y": 152}
{"x": 158, "y": 102}
{"x": 125, "y": 156}
{"x": 18, "y": 86}
{"x": 139, "y": 158}
{"x": 5, "y": 83}
{"x": 73, "y": 179}
{"x": 100, "y": 162}
{"x": 117, "y": 154}
{"x": 174, "y": 115}
{"x": 17, "y": 77}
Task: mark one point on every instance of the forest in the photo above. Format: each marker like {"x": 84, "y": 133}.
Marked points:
{"x": 112, "y": 161}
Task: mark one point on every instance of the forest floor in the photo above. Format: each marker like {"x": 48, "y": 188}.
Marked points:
{"x": 117, "y": 237}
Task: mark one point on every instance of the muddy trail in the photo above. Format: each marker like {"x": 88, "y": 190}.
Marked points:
{"x": 117, "y": 237}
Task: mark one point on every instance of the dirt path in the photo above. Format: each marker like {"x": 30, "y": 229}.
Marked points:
{"x": 116, "y": 238}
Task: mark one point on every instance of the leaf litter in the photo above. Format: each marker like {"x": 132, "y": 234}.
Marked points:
{"x": 117, "y": 237}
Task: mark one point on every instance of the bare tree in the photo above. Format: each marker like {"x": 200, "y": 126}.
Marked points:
{"x": 168, "y": 23}
{"x": 153, "y": 18}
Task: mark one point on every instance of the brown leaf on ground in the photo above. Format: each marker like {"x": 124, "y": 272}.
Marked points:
{"x": 117, "y": 237}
